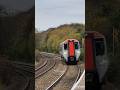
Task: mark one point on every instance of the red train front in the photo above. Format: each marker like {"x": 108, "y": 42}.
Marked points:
{"x": 70, "y": 50}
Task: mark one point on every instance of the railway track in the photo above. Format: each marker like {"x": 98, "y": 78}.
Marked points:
{"x": 26, "y": 85}
{"x": 23, "y": 70}
{"x": 17, "y": 75}
{"x": 45, "y": 80}
{"x": 62, "y": 79}
{"x": 39, "y": 66}
{"x": 79, "y": 74}
{"x": 25, "y": 67}
{"x": 80, "y": 84}
{"x": 56, "y": 81}
{"x": 57, "y": 76}
{"x": 18, "y": 80}
{"x": 49, "y": 64}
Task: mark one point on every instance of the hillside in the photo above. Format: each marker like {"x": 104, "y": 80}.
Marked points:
{"x": 17, "y": 35}
{"x": 49, "y": 40}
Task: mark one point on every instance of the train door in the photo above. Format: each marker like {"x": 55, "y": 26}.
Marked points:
{"x": 100, "y": 57}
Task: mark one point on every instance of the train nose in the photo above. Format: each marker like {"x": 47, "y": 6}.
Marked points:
{"x": 71, "y": 58}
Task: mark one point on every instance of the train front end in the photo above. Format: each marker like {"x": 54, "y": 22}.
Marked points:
{"x": 70, "y": 51}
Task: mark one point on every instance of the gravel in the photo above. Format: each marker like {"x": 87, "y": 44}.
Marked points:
{"x": 48, "y": 78}
{"x": 68, "y": 80}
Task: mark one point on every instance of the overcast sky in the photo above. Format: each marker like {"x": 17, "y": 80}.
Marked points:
{"x": 20, "y": 5}
{"x": 52, "y": 13}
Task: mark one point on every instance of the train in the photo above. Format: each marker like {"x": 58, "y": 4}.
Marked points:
{"x": 70, "y": 51}
{"x": 96, "y": 60}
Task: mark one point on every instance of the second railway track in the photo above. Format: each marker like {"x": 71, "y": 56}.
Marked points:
{"x": 59, "y": 77}
{"x": 21, "y": 79}
{"x": 49, "y": 64}
{"x": 27, "y": 71}
{"x": 65, "y": 82}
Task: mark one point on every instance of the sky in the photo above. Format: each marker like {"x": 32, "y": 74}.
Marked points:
{"x": 52, "y": 13}
{"x": 20, "y": 5}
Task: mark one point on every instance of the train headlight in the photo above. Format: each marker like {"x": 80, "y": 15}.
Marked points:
{"x": 65, "y": 52}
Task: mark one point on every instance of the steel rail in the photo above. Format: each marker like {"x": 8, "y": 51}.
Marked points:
{"x": 56, "y": 81}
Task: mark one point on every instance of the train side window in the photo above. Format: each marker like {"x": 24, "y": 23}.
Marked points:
{"x": 99, "y": 46}
{"x": 65, "y": 46}
{"x": 76, "y": 45}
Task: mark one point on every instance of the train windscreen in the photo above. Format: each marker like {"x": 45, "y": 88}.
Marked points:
{"x": 65, "y": 46}
{"x": 100, "y": 46}
{"x": 76, "y": 45}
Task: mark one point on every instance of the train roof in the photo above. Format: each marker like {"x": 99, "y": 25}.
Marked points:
{"x": 70, "y": 40}
{"x": 95, "y": 34}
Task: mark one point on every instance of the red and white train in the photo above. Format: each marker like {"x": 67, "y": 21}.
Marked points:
{"x": 96, "y": 62}
{"x": 70, "y": 51}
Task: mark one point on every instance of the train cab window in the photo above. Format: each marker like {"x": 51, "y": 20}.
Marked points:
{"x": 76, "y": 45}
{"x": 99, "y": 46}
{"x": 65, "y": 46}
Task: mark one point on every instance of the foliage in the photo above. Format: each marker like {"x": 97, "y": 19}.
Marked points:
{"x": 17, "y": 35}
{"x": 49, "y": 40}
{"x": 104, "y": 16}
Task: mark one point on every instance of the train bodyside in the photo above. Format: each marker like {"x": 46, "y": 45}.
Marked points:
{"x": 70, "y": 50}
{"x": 96, "y": 62}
